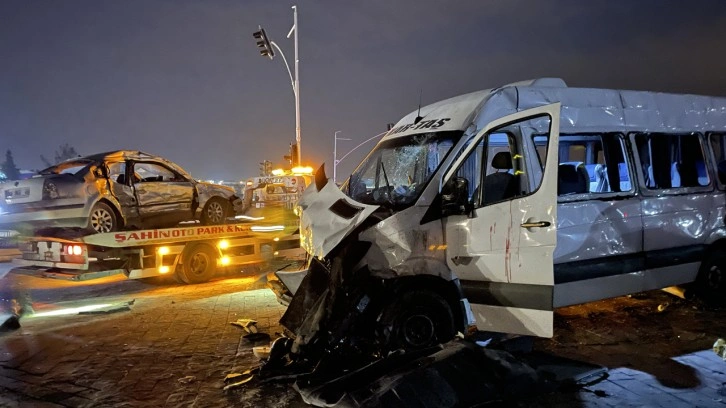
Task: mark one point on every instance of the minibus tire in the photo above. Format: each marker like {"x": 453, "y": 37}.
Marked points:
{"x": 199, "y": 263}
{"x": 711, "y": 280}
{"x": 416, "y": 319}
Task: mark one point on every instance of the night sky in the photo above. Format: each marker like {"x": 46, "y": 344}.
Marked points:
{"x": 183, "y": 78}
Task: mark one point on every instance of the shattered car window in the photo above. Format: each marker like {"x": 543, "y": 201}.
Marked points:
{"x": 70, "y": 167}
{"x": 397, "y": 170}
{"x": 150, "y": 172}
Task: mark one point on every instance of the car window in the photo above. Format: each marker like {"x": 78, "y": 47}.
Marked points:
{"x": 153, "y": 172}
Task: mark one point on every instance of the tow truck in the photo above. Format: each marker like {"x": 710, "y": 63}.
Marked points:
{"x": 191, "y": 253}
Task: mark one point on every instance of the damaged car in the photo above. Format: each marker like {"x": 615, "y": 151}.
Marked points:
{"x": 113, "y": 191}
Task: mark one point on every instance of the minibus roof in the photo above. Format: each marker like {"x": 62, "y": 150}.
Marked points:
{"x": 583, "y": 110}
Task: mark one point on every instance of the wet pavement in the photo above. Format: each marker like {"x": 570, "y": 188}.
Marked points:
{"x": 172, "y": 345}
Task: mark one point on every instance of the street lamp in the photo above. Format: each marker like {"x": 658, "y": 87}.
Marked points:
{"x": 266, "y": 51}
{"x": 335, "y": 152}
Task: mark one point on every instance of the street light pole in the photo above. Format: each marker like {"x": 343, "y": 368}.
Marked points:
{"x": 297, "y": 90}
{"x": 335, "y": 152}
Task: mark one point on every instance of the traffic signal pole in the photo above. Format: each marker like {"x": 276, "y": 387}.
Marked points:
{"x": 266, "y": 50}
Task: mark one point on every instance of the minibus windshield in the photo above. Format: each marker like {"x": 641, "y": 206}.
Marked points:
{"x": 397, "y": 170}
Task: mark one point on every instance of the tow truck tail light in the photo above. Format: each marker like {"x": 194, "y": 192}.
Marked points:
{"x": 73, "y": 250}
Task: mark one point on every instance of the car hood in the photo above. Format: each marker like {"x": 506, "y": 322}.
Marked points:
{"x": 327, "y": 216}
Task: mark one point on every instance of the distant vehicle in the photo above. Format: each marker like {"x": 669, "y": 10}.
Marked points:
{"x": 274, "y": 198}
{"x": 112, "y": 191}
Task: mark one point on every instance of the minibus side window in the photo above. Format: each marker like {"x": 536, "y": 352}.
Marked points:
{"x": 496, "y": 168}
{"x": 718, "y": 146}
{"x": 671, "y": 161}
{"x": 589, "y": 163}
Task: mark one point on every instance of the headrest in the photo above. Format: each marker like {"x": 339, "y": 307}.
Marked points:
{"x": 502, "y": 161}
{"x": 567, "y": 173}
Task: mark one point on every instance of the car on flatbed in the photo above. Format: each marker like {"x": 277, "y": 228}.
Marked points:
{"x": 113, "y": 191}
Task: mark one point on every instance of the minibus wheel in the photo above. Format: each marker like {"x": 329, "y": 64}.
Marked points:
{"x": 199, "y": 263}
{"x": 414, "y": 320}
{"x": 711, "y": 280}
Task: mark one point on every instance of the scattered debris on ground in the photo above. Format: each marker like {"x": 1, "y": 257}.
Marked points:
{"x": 458, "y": 373}
{"x": 719, "y": 347}
{"x": 249, "y": 325}
{"x": 9, "y": 322}
{"x": 187, "y": 380}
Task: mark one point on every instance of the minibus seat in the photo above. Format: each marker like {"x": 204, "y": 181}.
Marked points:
{"x": 624, "y": 177}
{"x": 702, "y": 173}
{"x": 596, "y": 174}
{"x": 500, "y": 185}
{"x": 675, "y": 175}
{"x": 572, "y": 179}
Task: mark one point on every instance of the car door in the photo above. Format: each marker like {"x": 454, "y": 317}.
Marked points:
{"x": 502, "y": 247}
{"x": 164, "y": 197}
{"x": 122, "y": 189}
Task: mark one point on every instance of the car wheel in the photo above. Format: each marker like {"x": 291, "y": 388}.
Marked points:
{"x": 102, "y": 219}
{"x": 215, "y": 212}
{"x": 711, "y": 280}
{"x": 199, "y": 264}
{"x": 415, "y": 320}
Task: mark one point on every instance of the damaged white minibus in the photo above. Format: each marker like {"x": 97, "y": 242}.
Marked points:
{"x": 493, "y": 208}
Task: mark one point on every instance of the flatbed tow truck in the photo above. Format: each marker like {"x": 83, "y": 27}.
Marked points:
{"x": 191, "y": 253}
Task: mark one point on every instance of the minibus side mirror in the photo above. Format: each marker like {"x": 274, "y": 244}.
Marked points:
{"x": 455, "y": 197}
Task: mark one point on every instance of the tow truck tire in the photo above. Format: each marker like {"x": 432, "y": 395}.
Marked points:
{"x": 415, "y": 320}
{"x": 199, "y": 264}
{"x": 102, "y": 219}
{"x": 215, "y": 212}
{"x": 711, "y": 280}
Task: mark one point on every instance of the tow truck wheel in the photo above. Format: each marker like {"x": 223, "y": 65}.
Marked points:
{"x": 215, "y": 212}
{"x": 102, "y": 219}
{"x": 711, "y": 280}
{"x": 415, "y": 320}
{"x": 199, "y": 264}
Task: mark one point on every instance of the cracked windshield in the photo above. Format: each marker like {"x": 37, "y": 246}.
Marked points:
{"x": 397, "y": 170}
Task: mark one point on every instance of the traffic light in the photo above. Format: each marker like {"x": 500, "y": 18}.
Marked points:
{"x": 262, "y": 168}
{"x": 263, "y": 43}
{"x": 268, "y": 167}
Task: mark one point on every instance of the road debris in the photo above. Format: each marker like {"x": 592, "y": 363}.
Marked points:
{"x": 234, "y": 380}
{"x": 719, "y": 347}
{"x": 9, "y": 321}
{"x": 249, "y": 325}
{"x": 187, "y": 380}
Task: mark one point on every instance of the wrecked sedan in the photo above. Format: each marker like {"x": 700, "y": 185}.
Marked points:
{"x": 112, "y": 191}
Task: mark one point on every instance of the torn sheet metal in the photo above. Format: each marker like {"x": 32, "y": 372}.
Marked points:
{"x": 455, "y": 374}
{"x": 328, "y": 216}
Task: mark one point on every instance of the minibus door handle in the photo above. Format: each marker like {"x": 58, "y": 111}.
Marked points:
{"x": 536, "y": 224}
